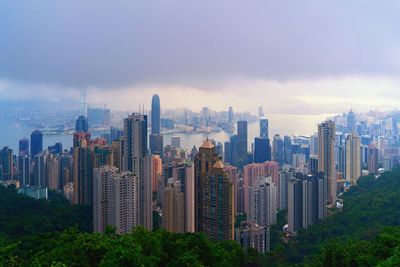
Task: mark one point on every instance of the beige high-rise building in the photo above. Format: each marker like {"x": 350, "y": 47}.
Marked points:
{"x": 326, "y": 157}
{"x": 174, "y": 207}
{"x": 353, "y": 160}
{"x": 114, "y": 200}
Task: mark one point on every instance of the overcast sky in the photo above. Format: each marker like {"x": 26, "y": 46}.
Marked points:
{"x": 288, "y": 56}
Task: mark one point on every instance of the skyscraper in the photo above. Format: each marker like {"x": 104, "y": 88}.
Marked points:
{"x": 36, "y": 142}
{"x": 156, "y": 138}
{"x": 156, "y": 171}
{"x": 326, "y": 157}
{"x": 24, "y": 146}
{"x": 138, "y": 161}
{"x": 230, "y": 115}
{"x": 23, "y": 166}
{"x": 277, "y": 149}
{"x": 287, "y": 147}
{"x": 213, "y": 195}
{"x": 262, "y": 202}
{"x": 155, "y": 114}
{"x": 81, "y": 124}
{"x": 242, "y": 142}
{"x": 351, "y": 121}
{"x": 373, "y": 159}
{"x": 262, "y": 150}
{"x": 6, "y": 164}
{"x": 114, "y": 200}
{"x": 264, "y": 128}
{"x": 174, "y": 207}
{"x": 353, "y": 160}
{"x": 53, "y": 172}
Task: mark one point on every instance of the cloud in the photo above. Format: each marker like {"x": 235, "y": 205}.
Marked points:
{"x": 119, "y": 44}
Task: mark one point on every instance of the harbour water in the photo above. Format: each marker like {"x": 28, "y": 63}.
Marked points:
{"x": 283, "y": 124}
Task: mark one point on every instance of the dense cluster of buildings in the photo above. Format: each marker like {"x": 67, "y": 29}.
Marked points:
{"x": 132, "y": 175}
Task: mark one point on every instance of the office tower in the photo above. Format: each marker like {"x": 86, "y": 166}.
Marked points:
{"x": 176, "y": 141}
{"x": 299, "y": 163}
{"x": 313, "y": 164}
{"x": 36, "y": 142}
{"x": 228, "y": 152}
{"x": 242, "y": 142}
{"x": 262, "y": 202}
{"x": 353, "y": 160}
{"x": 39, "y": 170}
{"x": 395, "y": 128}
{"x": 114, "y": 200}
{"x": 387, "y": 163}
{"x": 156, "y": 144}
{"x": 252, "y": 235}
{"x": 117, "y": 151}
{"x": 277, "y": 149}
{"x": 213, "y": 195}
{"x": 230, "y": 115}
{"x": 264, "y": 128}
{"x": 373, "y": 159}
{"x": 23, "y": 167}
{"x": 24, "y": 146}
{"x": 155, "y": 115}
{"x": 351, "y": 121}
{"x": 314, "y": 144}
{"x": 233, "y": 174}
{"x": 156, "y": 139}
{"x": 341, "y": 167}
{"x": 252, "y": 171}
{"x": 173, "y": 208}
{"x": 82, "y": 124}
{"x": 53, "y": 172}
{"x": 138, "y": 161}
{"x": 287, "y": 147}
{"x": 156, "y": 171}
{"x": 326, "y": 157}
{"x": 260, "y": 111}
{"x": 6, "y": 164}
{"x": 295, "y": 212}
{"x": 262, "y": 150}
{"x": 284, "y": 177}
{"x": 234, "y": 149}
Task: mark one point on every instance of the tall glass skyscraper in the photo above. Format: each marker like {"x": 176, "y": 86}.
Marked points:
{"x": 155, "y": 114}
{"x": 36, "y": 142}
{"x": 264, "y": 128}
{"x": 82, "y": 124}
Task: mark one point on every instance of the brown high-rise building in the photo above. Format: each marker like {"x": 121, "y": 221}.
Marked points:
{"x": 372, "y": 159}
{"x": 326, "y": 157}
{"x": 156, "y": 171}
{"x": 174, "y": 207}
{"x": 214, "y": 204}
{"x": 117, "y": 151}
